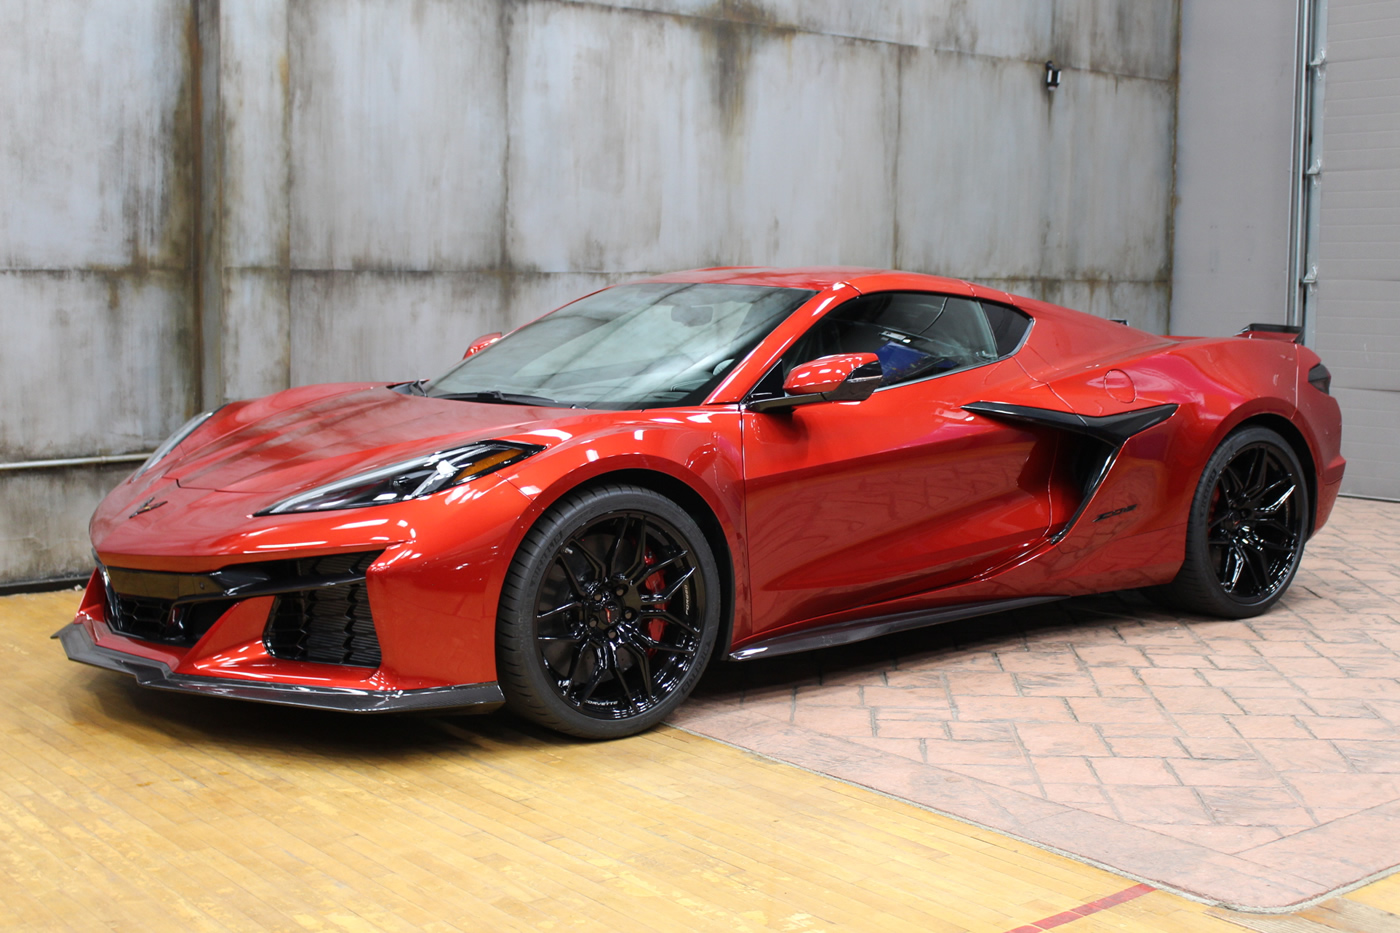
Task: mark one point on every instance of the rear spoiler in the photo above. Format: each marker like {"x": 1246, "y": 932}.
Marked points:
{"x": 1285, "y": 332}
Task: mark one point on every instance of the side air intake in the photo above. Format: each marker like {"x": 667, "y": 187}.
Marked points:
{"x": 330, "y": 624}
{"x": 1103, "y": 436}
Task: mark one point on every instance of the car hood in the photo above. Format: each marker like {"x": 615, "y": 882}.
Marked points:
{"x": 259, "y": 448}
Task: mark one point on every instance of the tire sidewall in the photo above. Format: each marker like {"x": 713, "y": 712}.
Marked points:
{"x": 527, "y": 685}
{"x": 1198, "y": 560}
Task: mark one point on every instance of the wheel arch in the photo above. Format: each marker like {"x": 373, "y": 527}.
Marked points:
{"x": 1290, "y": 433}
{"x": 694, "y": 503}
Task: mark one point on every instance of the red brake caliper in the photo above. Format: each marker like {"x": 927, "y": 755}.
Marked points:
{"x": 656, "y": 585}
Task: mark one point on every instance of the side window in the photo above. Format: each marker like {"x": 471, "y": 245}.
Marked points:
{"x": 1008, "y": 325}
{"x": 914, "y": 335}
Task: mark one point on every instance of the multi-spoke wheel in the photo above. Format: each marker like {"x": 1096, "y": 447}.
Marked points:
{"x": 1248, "y": 523}
{"x": 608, "y": 615}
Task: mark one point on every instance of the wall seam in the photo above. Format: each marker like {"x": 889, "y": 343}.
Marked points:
{"x": 196, "y": 201}
{"x": 793, "y": 29}
{"x": 1171, "y": 196}
{"x": 208, "y": 204}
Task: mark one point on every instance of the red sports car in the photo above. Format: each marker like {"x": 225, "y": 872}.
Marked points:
{"x": 578, "y": 517}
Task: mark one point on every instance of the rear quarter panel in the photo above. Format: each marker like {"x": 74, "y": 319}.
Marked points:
{"x": 1133, "y": 531}
{"x": 1217, "y": 384}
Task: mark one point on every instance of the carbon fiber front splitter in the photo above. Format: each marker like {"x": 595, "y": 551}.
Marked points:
{"x": 465, "y": 698}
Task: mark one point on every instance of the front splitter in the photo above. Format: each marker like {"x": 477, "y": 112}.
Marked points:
{"x": 471, "y": 698}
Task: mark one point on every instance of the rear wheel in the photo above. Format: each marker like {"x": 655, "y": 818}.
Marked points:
{"x": 1246, "y": 529}
{"x": 609, "y": 613}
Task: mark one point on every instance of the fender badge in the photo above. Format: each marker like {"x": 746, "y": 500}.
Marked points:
{"x": 150, "y": 505}
{"x": 1114, "y": 514}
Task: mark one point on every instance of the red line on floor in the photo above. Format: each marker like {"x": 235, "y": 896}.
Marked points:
{"x": 1084, "y": 910}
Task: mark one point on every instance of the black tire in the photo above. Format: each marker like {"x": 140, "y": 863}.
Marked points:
{"x": 1246, "y": 530}
{"x": 608, "y": 615}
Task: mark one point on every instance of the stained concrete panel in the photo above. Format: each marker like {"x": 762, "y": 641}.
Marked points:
{"x": 44, "y": 517}
{"x": 809, "y": 158}
{"x": 93, "y": 363}
{"x": 94, "y": 134}
{"x": 908, "y": 22}
{"x": 615, "y": 155}
{"x": 396, "y": 134}
{"x": 255, "y": 104}
{"x": 1136, "y": 38}
{"x": 1141, "y": 304}
{"x": 256, "y": 334}
{"x": 999, "y": 178}
{"x": 644, "y": 142}
{"x": 350, "y": 326}
{"x": 1130, "y": 38}
{"x": 529, "y": 295}
{"x": 373, "y": 201}
{"x": 1110, "y": 179}
{"x": 973, "y": 179}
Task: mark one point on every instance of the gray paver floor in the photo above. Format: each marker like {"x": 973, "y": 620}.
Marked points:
{"x": 1256, "y": 763}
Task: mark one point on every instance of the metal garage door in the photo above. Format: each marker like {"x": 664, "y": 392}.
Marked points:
{"x": 1357, "y": 324}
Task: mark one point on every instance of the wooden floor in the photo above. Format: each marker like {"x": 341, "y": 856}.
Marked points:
{"x": 128, "y": 809}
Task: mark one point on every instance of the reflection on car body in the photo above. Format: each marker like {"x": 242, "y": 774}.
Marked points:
{"x": 580, "y": 516}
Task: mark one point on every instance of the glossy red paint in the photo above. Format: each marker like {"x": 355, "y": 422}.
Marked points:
{"x": 826, "y": 374}
{"x": 852, "y": 503}
{"x": 481, "y": 343}
{"x": 820, "y": 514}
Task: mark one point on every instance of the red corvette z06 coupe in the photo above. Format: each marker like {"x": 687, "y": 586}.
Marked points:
{"x": 730, "y": 463}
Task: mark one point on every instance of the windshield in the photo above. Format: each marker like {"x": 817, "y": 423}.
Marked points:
{"x": 633, "y": 346}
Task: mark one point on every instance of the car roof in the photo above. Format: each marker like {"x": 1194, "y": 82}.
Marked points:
{"x": 811, "y": 277}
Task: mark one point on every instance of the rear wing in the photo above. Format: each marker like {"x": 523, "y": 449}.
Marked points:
{"x": 1285, "y": 332}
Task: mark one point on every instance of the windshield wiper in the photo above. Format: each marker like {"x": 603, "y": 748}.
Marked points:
{"x": 494, "y": 396}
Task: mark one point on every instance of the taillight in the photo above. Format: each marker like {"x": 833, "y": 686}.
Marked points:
{"x": 1320, "y": 379}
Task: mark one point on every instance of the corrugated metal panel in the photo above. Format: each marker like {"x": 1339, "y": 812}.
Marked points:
{"x": 1358, "y": 318}
{"x": 1369, "y": 441}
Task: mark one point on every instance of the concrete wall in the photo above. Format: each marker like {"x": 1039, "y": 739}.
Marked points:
{"x": 96, "y": 304}
{"x": 379, "y": 181}
{"x": 1234, "y": 165}
{"x": 401, "y": 176}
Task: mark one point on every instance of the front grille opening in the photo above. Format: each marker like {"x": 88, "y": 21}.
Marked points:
{"x": 161, "y": 620}
{"x": 328, "y": 625}
{"x": 321, "y": 611}
{"x": 200, "y": 617}
{"x": 140, "y": 616}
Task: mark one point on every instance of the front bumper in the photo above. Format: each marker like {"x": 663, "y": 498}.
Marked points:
{"x": 474, "y": 698}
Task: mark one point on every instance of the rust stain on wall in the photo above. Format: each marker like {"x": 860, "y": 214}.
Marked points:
{"x": 731, "y": 29}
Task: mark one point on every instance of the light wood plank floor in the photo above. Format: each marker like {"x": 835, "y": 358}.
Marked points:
{"x": 128, "y": 809}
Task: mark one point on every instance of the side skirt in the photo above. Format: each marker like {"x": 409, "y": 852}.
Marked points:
{"x": 845, "y": 633}
{"x": 471, "y": 698}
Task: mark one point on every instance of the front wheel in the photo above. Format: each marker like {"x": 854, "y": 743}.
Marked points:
{"x": 609, "y": 613}
{"x": 1246, "y": 529}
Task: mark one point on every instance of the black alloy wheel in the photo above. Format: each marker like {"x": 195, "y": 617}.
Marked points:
{"x": 609, "y": 613}
{"x": 1248, "y": 524}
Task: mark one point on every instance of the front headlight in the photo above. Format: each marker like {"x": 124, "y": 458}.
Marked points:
{"x": 173, "y": 441}
{"x": 410, "y": 479}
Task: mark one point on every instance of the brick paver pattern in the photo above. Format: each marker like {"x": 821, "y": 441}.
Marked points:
{"x": 1227, "y": 734}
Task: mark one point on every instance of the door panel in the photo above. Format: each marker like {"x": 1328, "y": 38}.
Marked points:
{"x": 860, "y": 502}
